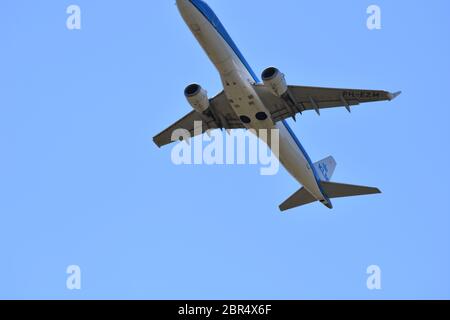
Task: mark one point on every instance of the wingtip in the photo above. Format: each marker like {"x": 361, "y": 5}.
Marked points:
{"x": 157, "y": 142}
{"x": 394, "y": 95}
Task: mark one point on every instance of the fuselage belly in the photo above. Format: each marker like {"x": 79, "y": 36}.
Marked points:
{"x": 238, "y": 80}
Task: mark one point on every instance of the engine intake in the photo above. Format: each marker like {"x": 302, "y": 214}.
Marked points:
{"x": 275, "y": 81}
{"x": 197, "y": 97}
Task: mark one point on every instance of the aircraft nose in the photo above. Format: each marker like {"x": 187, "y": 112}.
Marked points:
{"x": 181, "y": 2}
{"x": 183, "y": 5}
{"x": 185, "y": 8}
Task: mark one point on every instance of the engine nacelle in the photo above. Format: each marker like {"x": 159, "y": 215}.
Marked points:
{"x": 197, "y": 97}
{"x": 275, "y": 81}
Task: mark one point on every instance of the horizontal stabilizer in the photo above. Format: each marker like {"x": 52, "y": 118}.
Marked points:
{"x": 300, "y": 198}
{"x": 340, "y": 190}
{"x": 332, "y": 190}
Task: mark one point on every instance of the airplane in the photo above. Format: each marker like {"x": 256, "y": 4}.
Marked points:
{"x": 248, "y": 103}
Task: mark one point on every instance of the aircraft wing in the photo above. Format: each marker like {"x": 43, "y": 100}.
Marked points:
{"x": 220, "y": 115}
{"x": 314, "y": 98}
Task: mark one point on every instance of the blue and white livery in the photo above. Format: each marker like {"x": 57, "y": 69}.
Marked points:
{"x": 246, "y": 102}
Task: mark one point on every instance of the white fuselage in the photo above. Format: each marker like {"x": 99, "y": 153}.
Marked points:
{"x": 238, "y": 80}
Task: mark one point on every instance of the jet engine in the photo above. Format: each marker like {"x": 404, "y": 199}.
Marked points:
{"x": 197, "y": 97}
{"x": 275, "y": 81}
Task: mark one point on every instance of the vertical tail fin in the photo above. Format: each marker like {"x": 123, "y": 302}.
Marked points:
{"x": 325, "y": 168}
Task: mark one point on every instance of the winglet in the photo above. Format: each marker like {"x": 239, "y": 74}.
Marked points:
{"x": 392, "y": 96}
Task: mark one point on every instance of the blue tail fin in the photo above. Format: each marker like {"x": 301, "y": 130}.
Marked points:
{"x": 325, "y": 168}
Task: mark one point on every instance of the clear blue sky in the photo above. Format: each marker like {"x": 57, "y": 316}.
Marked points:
{"x": 82, "y": 183}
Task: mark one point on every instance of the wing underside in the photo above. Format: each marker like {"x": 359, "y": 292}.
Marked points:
{"x": 219, "y": 116}
{"x": 303, "y": 99}
{"x": 298, "y": 99}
